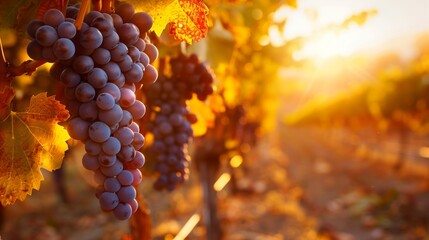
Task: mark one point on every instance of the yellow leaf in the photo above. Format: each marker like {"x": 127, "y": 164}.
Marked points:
{"x": 204, "y": 114}
{"x": 187, "y": 18}
{"x": 29, "y": 141}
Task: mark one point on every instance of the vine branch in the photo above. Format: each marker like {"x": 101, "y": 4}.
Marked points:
{"x": 27, "y": 67}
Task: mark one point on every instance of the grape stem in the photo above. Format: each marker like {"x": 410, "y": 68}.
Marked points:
{"x": 106, "y": 6}
{"x": 96, "y": 5}
{"x": 27, "y": 67}
{"x": 79, "y": 19}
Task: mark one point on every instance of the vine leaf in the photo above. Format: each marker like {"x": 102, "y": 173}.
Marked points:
{"x": 29, "y": 141}
{"x": 186, "y": 19}
{"x": 6, "y": 96}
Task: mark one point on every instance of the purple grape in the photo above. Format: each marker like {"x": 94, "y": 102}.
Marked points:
{"x": 126, "y": 193}
{"x": 64, "y": 49}
{"x": 70, "y": 78}
{"x": 101, "y": 56}
{"x": 46, "y": 35}
{"x": 97, "y": 77}
{"x": 78, "y": 129}
{"x": 66, "y": 30}
{"x": 90, "y": 162}
{"x": 111, "y": 184}
{"x": 123, "y": 211}
{"x": 99, "y": 132}
{"x": 88, "y": 111}
{"x": 92, "y": 148}
{"x": 125, "y": 177}
{"x": 125, "y": 135}
{"x": 112, "y": 146}
{"x": 108, "y": 201}
{"x": 112, "y": 116}
{"x": 84, "y": 92}
{"x": 105, "y": 101}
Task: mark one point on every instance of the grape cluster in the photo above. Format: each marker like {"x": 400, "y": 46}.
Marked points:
{"x": 110, "y": 61}
{"x": 171, "y": 120}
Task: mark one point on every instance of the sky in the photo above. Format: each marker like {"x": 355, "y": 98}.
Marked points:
{"x": 395, "y": 19}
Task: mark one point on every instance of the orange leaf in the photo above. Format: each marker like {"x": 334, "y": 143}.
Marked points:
{"x": 193, "y": 24}
{"x": 6, "y": 96}
{"x": 187, "y": 19}
{"x": 29, "y": 141}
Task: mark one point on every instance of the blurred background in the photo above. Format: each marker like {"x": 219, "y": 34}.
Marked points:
{"x": 321, "y": 110}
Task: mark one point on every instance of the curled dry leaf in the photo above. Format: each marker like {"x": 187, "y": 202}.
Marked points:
{"x": 29, "y": 141}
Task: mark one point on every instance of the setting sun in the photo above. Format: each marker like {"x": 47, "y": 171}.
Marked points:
{"x": 318, "y": 22}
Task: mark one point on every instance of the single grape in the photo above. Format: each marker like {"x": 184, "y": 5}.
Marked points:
{"x": 111, "y": 184}
{"x": 112, "y": 116}
{"x": 127, "y": 153}
{"x": 134, "y": 75}
{"x": 137, "y": 176}
{"x": 123, "y": 211}
{"x": 105, "y": 101}
{"x": 128, "y": 98}
{"x": 108, "y": 201}
{"x": 134, "y": 127}
{"x": 97, "y": 77}
{"x": 91, "y": 38}
{"x": 125, "y": 135}
{"x": 112, "y": 146}
{"x": 101, "y": 56}
{"x": 70, "y": 78}
{"x": 126, "y": 120}
{"x": 126, "y": 11}
{"x": 125, "y": 177}
{"x": 138, "y": 109}
{"x": 106, "y": 160}
{"x": 119, "y": 52}
{"x": 91, "y": 16}
{"x": 126, "y": 64}
{"x": 78, "y": 129}
{"x": 53, "y": 17}
{"x": 64, "y": 49}
{"x": 152, "y": 52}
{"x": 34, "y": 50}
{"x": 112, "y": 70}
{"x": 126, "y": 193}
{"x": 103, "y": 25}
{"x": 66, "y": 30}
{"x": 138, "y": 140}
{"x": 150, "y": 75}
{"x": 128, "y": 33}
{"x": 143, "y": 21}
{"x": 46, "y": 35}
{"x": 134, "y": 53}
{"x": 134, "y": 205}
{"x": 112, "y": 89}
{"x": 32, "y": 27}
{"x": 99, "y": 132}
{"x": 88, "y": 111}
{"x": 83, "y": 64}
{"x": 92, "y": 148}
{"x": 113, "y": 170}
{"x": 111, "y": 41}
{"x": 84, "y": 92}
{"x": 90, "y": 162}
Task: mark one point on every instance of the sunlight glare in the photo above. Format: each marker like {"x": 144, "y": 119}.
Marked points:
{"x": 188, "y": 227}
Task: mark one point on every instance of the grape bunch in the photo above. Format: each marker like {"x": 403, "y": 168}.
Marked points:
{"x": 171, "y": 120}
{"x": 110, "y": 58}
